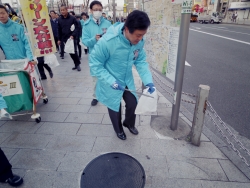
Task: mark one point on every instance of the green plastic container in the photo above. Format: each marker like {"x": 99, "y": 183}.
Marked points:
{"x": 20, "y": 102}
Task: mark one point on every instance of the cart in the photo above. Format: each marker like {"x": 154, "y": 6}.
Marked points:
{"x": 21, "y": 87}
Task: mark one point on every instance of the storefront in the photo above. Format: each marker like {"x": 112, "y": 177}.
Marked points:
{"x": 241, "y": 9}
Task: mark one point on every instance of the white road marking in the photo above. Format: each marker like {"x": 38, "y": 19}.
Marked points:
{"x": 248, "y": 43}
{"x": 197, "y": 28}
{"x": 187, "y": 64}
{"x": 227, "y": 30}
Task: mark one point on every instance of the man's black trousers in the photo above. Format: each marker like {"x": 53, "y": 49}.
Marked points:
{"x": 40, "y": 65}
{"x": 5, "y": 167}
{"x": 116, "y": 117}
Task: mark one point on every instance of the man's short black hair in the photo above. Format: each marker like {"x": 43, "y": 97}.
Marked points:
{"x": 104, "y": 13}
{"x": 73, "y": 13}
{"x": 1, "y": 6}
{"x": 64, "y": 6}
{"x": 84, "y": 14}
{"x": 53, "y": 11}
{"x": 95, "y": 3}
{"x": 137, "y": 20}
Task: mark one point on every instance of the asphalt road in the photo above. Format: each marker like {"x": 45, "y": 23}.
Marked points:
{"x": 219, "y": 55}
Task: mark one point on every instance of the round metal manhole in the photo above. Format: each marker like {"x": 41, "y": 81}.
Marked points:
{"x": 113, "y": 170}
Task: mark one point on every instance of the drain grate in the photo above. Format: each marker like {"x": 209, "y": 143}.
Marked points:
{"x": 113, "y": 170}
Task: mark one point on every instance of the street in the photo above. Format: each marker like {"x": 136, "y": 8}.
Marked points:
{"x": 219, "y": 55}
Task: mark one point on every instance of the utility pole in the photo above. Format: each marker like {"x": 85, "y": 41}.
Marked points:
{"x": 114, "y": 11}
{"x": 181, "y": 57}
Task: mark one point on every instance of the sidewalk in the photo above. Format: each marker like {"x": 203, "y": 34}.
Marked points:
{"x": 54, "y": 152}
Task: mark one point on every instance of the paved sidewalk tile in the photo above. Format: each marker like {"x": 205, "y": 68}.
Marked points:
{"x": 49, "y": 107}
{"x": 4, "y": 136}
{"x": 84, "y": 118}
{"x": 72, "y": 143}
{"x": 37, "y": 159}
{"x": 153, "y": 165}
{"x": 20, "y": 127}
{"x": 63, "y": 100}
{"x": 59, "y": 128}
{"x": 76, "y": 161}
{"x": 107, "y": 144}
{"x": 34, "y": 141}
{"x": 96, "y": 130}
{"x": 73, "y": 108}
{"x": 51, "y": 179}
{"x": 52, "y": 116}
{"x": 9, "y": 152}
{"x": 58, "y": 94}
{"x": 160, "y": 182}
{"x": 233, "y": 172}
{"x": 196, "y": 168}
{"x": 98, "y": 109}
{"x": 78, "y": 94}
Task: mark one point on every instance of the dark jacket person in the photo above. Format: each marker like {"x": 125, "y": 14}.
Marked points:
{"x": 67, "y": 28}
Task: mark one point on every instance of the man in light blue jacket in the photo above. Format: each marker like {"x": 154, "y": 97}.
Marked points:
{"x": 111, "y": 62}
{"x": 13, "y": 41}
{"x": 95, "y": 27}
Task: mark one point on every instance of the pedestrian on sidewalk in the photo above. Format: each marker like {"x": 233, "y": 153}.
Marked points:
{"x": 54, "y": 25}
{"x": 83, "y": 20}
{"x": 6, "y": 175}
{"x": 95, "y": 27}
{"x": 67, "y": 28}
{"x": 235, "y": 16}
{"x": 41, "y": 65}
{"x": 79, "y": 30}
{"x": 13, "y": 40}
{"x": 111, "y": 61}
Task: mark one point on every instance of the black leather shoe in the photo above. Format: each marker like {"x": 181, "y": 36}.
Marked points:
{"x": 74, "y": 68}
{"x": 51, "y": 74}
{"x": 133, "y": 130}
{"x": 122, "y": 136}
{"x": 15, "y": 181}
{"x": 94, "y": 102}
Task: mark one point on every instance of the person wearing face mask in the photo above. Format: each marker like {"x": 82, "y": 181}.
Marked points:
{"x": 94, "y": 28}
{"x": 111, "y": 61}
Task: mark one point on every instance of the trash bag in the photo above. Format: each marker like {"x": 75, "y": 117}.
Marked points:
{"x": 146, "y": 103}
{"x": 69, "y": 46}
{"x": 51, "y": 60}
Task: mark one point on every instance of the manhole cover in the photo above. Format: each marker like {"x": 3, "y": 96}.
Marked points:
{"x": 113, "y": 170}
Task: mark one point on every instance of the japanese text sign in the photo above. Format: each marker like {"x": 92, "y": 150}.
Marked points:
{"x": 35, "y": 13}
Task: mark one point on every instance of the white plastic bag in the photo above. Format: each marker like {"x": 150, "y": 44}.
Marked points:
{"x": 147, "y": 104}
{"x": 72, "y": 28}
{"x": 51, "y": 60}
{"x": 69, "y": 46}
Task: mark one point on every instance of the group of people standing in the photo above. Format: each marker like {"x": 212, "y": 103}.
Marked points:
{"x": 113, "y": 51}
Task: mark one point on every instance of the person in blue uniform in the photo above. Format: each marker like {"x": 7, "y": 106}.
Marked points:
{"x": 111, "y": 62}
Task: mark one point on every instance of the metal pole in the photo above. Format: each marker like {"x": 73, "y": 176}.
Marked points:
{"x": 181, "y": 57}
{"x": 1, "y": 2}
{"x": 114, "y": 12}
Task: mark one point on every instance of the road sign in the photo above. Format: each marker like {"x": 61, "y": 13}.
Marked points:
{"x": 187, "y": 6}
